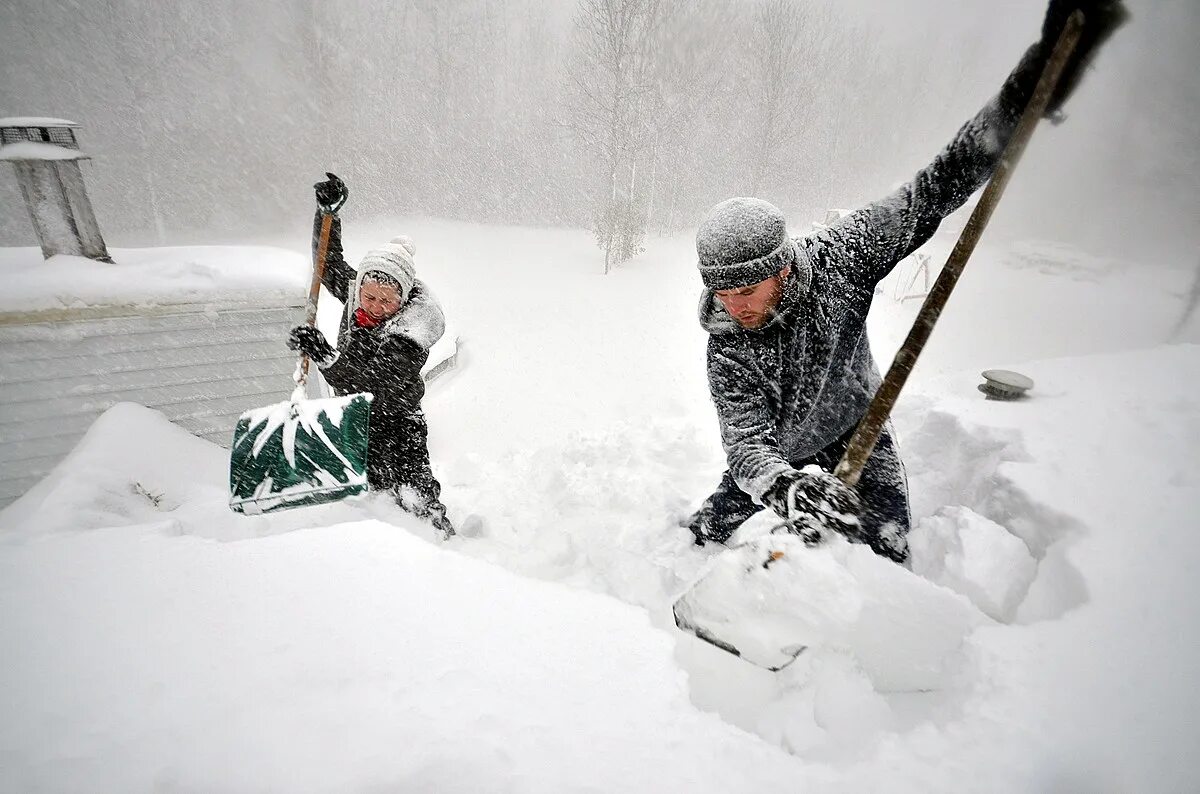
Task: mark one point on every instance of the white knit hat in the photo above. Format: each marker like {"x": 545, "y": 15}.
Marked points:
{"x": 395, "y": 259}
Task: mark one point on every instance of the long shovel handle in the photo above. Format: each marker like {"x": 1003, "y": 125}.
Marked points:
{"x": 849, "y": 469}
{"x": 314, "y": 290}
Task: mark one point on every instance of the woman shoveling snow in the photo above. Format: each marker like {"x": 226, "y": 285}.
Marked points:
{"x": 389, "y": 322}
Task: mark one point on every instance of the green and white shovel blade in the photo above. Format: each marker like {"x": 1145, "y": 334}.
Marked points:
{"x": 300, "y": 452}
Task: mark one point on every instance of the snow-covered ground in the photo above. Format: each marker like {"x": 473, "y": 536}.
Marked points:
{"x": 155, "y": 640}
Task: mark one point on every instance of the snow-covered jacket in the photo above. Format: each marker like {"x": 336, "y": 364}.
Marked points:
{"x": 386, "y": 359}
{"x": 793, "y": 387}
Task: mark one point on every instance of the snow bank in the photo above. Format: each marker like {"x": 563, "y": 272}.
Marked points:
{"x": 973, "y": 556}
{"x": 131, "y": 467}
{"x": 349, "y": 658}
{"x": 147, "y": 276}
{"x": 773, "y": 597}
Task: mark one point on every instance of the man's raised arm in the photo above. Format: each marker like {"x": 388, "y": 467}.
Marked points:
{"x": 881, "y": 234}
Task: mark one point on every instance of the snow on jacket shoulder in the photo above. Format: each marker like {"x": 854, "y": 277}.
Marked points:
{"x": 793, "y": 387}
{"x": 420, "y": 318}
{"x": 386, "y": 360}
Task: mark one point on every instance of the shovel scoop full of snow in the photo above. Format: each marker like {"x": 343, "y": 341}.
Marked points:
{"x": 771, "y": 598}
{"x": 300, "y": 452}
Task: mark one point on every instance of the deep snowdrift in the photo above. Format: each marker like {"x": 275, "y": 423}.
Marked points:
{"x": 158, "y": 640}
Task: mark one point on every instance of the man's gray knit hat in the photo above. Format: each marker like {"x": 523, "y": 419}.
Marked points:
{"x": 742, "y": 241}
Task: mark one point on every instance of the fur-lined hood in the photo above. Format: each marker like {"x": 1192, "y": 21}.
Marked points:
{"x": 420, "y": 318}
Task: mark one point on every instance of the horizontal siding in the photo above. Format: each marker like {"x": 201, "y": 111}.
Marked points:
{"x": 191, "y": 414}
{"x": 218, "y": 427}
{"x": 38, "y": 464}
{"x": 200, "y": 392}
{"x": 222, "y": 403}
{"x": 42, "y": 341}
{"x": 18, "y": 476}
{"x": 196, "y": 349}
{"x": 91, "y": 386}
{"x": 202, "y": 370}
{"x": 14, "y": 488}
{"x": 50, "y": 427}
{"x": 218, "y": 437}
{"x": 59, "y": 356}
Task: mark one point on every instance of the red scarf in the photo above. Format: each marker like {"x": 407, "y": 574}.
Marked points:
{"x": 364, "y": 320}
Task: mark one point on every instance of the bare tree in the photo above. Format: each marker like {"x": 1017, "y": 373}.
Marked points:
{"x": 612, "y": 109}
{"x": 777, "y": 36}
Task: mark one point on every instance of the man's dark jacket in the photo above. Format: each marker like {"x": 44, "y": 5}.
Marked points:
{"x": 792, "y": 388}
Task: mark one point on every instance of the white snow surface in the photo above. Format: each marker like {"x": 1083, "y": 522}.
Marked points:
{"x": 149, "y": 276}
{"x": 38, "y": 150}
{"x": 35, "y": 121}
{"x": 154, "y": 640}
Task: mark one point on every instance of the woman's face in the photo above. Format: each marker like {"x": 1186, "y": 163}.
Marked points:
{"x": 379, "y": 301}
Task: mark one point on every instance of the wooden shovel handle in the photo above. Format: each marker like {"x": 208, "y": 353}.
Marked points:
{"x": 849, "y": 469}
{"x": 314, "y": 289}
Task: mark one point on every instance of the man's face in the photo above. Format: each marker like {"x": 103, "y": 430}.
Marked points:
{"x": 753, "y": 306}
{"x": 380, "y": 301}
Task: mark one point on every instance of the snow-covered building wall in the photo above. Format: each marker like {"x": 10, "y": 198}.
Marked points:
{"x": 195, "y": 333}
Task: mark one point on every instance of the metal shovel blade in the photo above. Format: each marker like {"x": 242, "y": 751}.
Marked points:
{"x": 739, "y": 603}
{"x": 773, "y": 659}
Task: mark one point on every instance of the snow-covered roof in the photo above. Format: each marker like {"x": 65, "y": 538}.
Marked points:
{"x": 153, "y": 277}
{"x": 39, "y": 150}
{"x": 35, "y": 121}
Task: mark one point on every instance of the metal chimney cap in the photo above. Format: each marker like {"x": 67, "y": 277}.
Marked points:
{"x": 1004, "y": 384}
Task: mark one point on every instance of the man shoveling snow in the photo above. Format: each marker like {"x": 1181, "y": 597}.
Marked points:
{"x": 789, "y": 364}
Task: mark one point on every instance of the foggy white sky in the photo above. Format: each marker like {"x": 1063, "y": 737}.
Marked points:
{"x": 209, "y": 119}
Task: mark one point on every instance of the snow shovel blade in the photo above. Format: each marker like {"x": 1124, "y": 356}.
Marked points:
{"x": 735, "y": 605}
{"x": 300, "y": 452}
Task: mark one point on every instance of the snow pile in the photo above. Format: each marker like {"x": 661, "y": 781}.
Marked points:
{"x": 773, "y": 596}
{"x": 131, "y": 467}
{"x": 148, "y": 276}
{"x": 973, "y": 556}
{"x": 349, "y": 658}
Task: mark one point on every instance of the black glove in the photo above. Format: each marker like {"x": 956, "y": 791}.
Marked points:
{"x": 815, "y": 502}
{"x": 1100, "y": 19}
{"x": 332, "y": 193}
{"x": 311, "y": 342}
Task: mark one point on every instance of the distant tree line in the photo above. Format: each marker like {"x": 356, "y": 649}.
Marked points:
{"x": 210, "y": 119}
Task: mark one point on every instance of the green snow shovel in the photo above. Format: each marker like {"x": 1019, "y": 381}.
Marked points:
{"x": 734, "y": 605}
{"x": 300, "y": 452}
